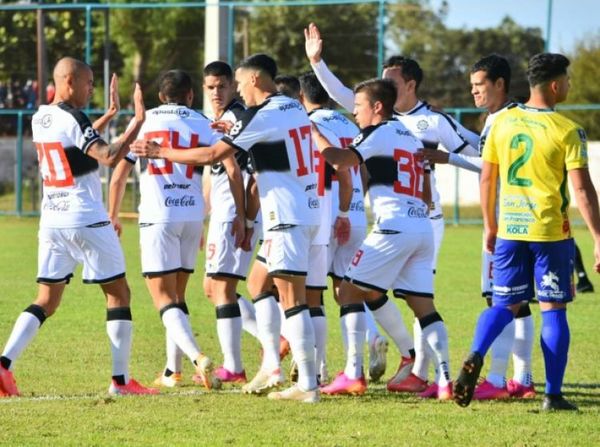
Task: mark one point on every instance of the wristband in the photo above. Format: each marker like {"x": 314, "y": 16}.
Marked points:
{"x": 249, "y": 223}
{"x": 345, "y": 214}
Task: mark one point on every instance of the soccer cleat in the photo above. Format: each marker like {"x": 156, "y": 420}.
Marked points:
{"x": 284, "y": 347}
{"x": 264, "y": 381}
{"x": 556, "y": 402}
{"x": 8, "y": 385}
{"x": 434, "y": 391}
{"x": 131, "y": 387}
{"x": 224, "y": 375}
{"x": 518, "y": 390}
{"x": 412, "y": 384}
{"x": 295, "y": 393}
{"x": 486, "y": 391}
{"x": 377, "y": 358}
{"x": 465, "y": 384}
{"x": 204, "y": 373}
{"x": 344, "y": 385}
{"x": 406, "y": 364}
{"x": 584, "y": 285}
{"x": 168, "y": 381}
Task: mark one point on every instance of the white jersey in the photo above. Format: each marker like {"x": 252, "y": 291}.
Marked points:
{"x": 277, "y": 136}
{"x": 345, "y": 131}
{"x": 395, "y": 177}
{"x": 172, "y": 192}
{"x": 72, "y": 193}
{"x": 223, "y": 209}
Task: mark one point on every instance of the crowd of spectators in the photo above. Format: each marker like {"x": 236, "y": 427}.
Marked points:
{"x": 19, "y": 95}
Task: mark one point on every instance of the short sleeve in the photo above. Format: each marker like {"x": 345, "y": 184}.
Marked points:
{"x": 449, "y": 135}
{"x": 576, "y": 155}
{"x": 490, "y": 151}
{"x": 81, "y": 132}
{"x": 366, "y": 145}
{"x": 249, "y": 129}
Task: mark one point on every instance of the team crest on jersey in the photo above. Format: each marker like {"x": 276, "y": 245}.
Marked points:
{"x": 183, "y": 113}
{"x": 422, "y": 125}
{"x": 236, "y": 128}
{"x": 46, "y": 121}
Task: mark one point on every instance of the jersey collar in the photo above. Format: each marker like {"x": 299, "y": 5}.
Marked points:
{"x": 535, "y": 109}
{"x": 415, "y": 109}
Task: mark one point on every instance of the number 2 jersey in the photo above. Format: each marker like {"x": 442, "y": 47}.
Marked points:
{"x": 277, "y": 136}
{"x": 395, "y": 177}
{"x": 534, "y": 149}
{"x": 172, "y": 192}
{"x": 72, "y": 191}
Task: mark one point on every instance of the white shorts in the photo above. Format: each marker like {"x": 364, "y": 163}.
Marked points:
{"x": 286, "y": 251}
{"x": 222, "y": 258}
{"x": 438, "y": 235}
{"x": 169, "y": 247}
{"x": 317, "y": 268}
{"x": 486, "y": 273}
{"x": 398, "y": 261}
{"x": 341, "y": 255}
{"x": 96, "y": 247}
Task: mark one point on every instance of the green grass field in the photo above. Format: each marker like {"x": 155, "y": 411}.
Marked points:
{"x": 65, "y": 372}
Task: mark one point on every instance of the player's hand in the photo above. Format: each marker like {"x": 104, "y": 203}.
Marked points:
{"x": 138, "y": 104}
{"x": 222, "y": 126}
{"x": 434, "y": 156}
{"x": 341, "y": 230}
{"x": 116, "y": 223}
{"x": 247, "y": 244}
{"x": 313, "y": 43}
{"x": 146, "y": 149}
{"x": 238, "y": 230}
{"x": 490, "y": 240}
{"x": 114, "y": 104}
{"x": 597, "y": 256}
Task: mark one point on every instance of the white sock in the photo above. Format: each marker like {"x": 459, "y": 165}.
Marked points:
{"x": 229, "y": 330}
{"x": 422, "y": 354}
{"x": 120, "y": 333}
{"x": 500, "y": 353}
{"x": 354, "y": 325}
{"x": 390, "y": 319}
{"x": 248, "y": 316}
{"x": 372, "y": 329}
{"x": 522, "y": 349}
{"x": 174, "y": 355}
{"x": 180, "y": 331}
{"x": 268, "y": 326}
{"x": 436, "y": 336}
{"x": 302, "y": 343}
{"x": 319, "y": 322}
{"x": 25, "y": 328}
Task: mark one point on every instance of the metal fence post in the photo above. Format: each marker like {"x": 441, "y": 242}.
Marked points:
{"x": 380, "y": 36}
{"x": 19, "y": 166}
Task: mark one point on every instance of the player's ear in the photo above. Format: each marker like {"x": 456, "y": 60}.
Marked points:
{"x": 162, "y": 97}
{"x": 190, "y": 98}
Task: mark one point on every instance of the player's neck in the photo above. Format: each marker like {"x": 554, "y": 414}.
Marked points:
{"x": 493, "y": 108}
{"x": 539, "y": 99}
{"x": 406, "y": 104}
{"x": 310, "y": 106}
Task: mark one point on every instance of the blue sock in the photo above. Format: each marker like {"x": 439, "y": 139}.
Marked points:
{"x": 555, "y": 346}
{"x": 491, "y": 322}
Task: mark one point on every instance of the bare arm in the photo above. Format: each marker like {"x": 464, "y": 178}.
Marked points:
{"x": 113, "y": 107}
{"x": 194, "y": 156}
{"x": 118, "y": 183}
{"x": 341, "y": 226}
{"x": 252, "y": 208}
{"x": 427, "y": 188}
{"x": 488, "y": 187}
{"x": 587, "y": 202}
{"x": 236, "y": 184}
{"x": 337, "y": 158}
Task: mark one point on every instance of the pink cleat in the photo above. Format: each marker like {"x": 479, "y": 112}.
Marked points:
{"x": 486, "y": 391}
{"x": 132, "y": 387}
{"x": 344, "y": 385}
{"x": 8, "y": 385}
{"x": 224, "y": 375}
{"x": 434, "y": 391}
{"x": 516, "y": 389}
{"x": 403, "y": 372}
{"x": 412, "y": 384}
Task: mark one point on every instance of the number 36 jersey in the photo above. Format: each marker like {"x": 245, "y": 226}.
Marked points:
{"x": 534, "y": 149}
{"x": 395, "y": 177}
{"x": 72, "y": 193}
{"x": 277, "y": 136}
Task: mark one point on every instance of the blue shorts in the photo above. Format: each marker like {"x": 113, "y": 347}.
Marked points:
{"x": 518, "y": 265}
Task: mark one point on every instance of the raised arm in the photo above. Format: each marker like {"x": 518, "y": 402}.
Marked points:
{"x": 113, "y": 107}
{"x": 587, "y": 202}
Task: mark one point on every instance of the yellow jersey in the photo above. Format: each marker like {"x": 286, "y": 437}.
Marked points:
{"x": 534, "y": 149}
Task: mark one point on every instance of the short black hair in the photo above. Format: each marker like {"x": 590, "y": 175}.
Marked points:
{"x": 262, "y": 62}
{"x": 175, "y": 85}
{"x": 411, "y": 70}
{"x": 382, "y": 90}
{"x": 312, "y": 89}
{"x": 219, "y": 68}
{"x": 495, "y": 67}
{"x": 545, "y": 67}
{"x": 288, "y": 85}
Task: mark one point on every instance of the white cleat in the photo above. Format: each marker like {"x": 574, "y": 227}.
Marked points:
{"x": 377, "y": 358}
{"x": 295, "y": 393}
{"x": 171, "y": 381}
{"x": 264, "y": 381}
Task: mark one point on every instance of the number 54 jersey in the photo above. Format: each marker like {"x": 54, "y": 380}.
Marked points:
{"x": 395, "y": 177}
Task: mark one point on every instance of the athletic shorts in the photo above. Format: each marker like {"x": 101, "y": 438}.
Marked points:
{"x": 285, "y": 251}
{"x": 317, "y": 268}
{"x": 96, "y": 246}
{"x": 341, "y": 255}
{"x": 222, "y": 257}
{"x": 391, "y": 260}
{"x": 169, "y": 247}
{"x": 521, "y": 267}
{"x": 437, "y": 223}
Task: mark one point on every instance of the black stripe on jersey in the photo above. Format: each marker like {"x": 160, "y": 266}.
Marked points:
{"x": 126, "y": 158}
{"x": 461, "y": 147}
{"x": 244, "y": 119}
{"x": 430, "y": 144}
{"x": 242, "y": 160}
{"x": 90, "y": 134}
{"x": 236, "y": 108}
{"x": 270, "y": 156}
{"x": 364, "y": 133}
{"x": 382, "y": 171}
{"x": 453, "y": 125}
{"x": 328, "y": 177}
{"x": 80, "y": 163}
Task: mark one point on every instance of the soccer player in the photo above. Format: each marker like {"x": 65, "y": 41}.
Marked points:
{"x": 275, "y": 130}
{"x": 490, "y": 83}
{"x": 288, "y": 85}
{"x": 170, "y": 217}
{"x": 532, "y": 150}
{"x": 397, "y": 253}
{"x": 434, "y": 129}
{"x": 74, "y": 226}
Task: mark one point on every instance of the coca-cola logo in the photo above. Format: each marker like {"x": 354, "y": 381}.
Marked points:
{"x": 184, "y": 201}
{"x": 417, "y": 212}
